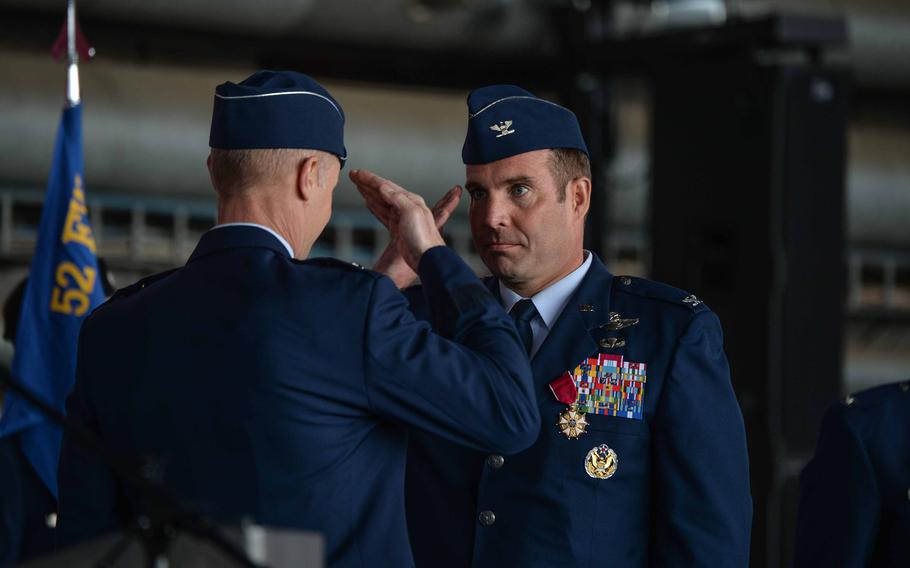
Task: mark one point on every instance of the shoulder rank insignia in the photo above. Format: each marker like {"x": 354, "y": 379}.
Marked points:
{"x": 692, "y": 300}
{"x": 604, "y": 385}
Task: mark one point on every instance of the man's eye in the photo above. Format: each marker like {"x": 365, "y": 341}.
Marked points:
{"x": 520, "y": 190}
{"x": 477, "y": 194}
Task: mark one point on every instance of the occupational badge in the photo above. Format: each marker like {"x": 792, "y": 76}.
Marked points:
{"x": 572, "y": 423}
{"x": 617, "y": 322}
{"x": 612, "y": 342}
{"x": 601, "y": 462}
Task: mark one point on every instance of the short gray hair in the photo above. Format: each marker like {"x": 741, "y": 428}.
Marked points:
{"x": 235, "y": 171}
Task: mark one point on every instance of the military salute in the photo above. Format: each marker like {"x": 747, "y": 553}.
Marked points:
{"x": 641, "y": 458}
{"x": 855, "y": 493}
{"x": 255, "y": 384}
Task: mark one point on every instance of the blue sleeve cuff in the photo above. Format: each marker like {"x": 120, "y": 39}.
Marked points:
{"x": 451, "y": 290}
{"x": 441, "y": 268}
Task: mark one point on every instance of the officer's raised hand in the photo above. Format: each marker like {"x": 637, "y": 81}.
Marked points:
{"x": 404, "y": 214}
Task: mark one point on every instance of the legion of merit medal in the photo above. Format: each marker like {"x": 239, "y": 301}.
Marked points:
{"x": 601, "y": 462}
{"x": 572, "y": 423}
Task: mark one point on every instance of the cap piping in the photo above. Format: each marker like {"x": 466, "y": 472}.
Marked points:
{"x": 496, "y": 102}
{"x": 323, "y": 97}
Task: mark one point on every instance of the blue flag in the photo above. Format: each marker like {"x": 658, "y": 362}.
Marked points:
{"x": 63, "y": 288}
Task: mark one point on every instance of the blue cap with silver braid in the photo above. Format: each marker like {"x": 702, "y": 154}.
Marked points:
{"x": 505, "y": 120}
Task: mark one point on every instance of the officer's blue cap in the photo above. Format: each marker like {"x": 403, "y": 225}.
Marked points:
{"x": 505, "y": 120}
{"x": 277, "y": 109}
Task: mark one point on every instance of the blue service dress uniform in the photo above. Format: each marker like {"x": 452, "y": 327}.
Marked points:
{"x": 854, "y": 506}
{"x": 262, "y": 387}
{"x": 680, "y": 495}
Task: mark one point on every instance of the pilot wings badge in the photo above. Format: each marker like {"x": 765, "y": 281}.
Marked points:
{"x": 503, "y": 128}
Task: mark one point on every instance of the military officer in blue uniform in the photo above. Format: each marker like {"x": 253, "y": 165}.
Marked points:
{"x": 255, "y": 384}
{"x": 855, "y": 492}
{"x": 641, "y": 458}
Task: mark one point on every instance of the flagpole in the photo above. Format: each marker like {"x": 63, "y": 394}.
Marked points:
{"x": 72, "y": 83}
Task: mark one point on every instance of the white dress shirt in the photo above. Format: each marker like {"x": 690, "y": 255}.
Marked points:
{"x": 549, "y": 302}
{"x": 284, "y": 241}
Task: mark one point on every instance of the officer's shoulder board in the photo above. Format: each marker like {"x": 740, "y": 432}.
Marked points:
{"x": 331, "y": 263}
{"x": 132, "y": 289}
{"x": 882, "y": 394}
{"x": 139, "y": 285}
{"x": 645, "y": 288}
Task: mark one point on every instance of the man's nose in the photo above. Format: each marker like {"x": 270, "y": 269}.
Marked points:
{"x": 495, "y": 212}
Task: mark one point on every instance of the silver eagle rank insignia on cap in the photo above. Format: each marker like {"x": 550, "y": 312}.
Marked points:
{"x": 503, "y": 128}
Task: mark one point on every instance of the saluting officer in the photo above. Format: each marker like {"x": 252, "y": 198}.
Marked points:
{"x": 641, "y": 459}
{"x": 260, "y": 385}
{"x": 854, "y": 506}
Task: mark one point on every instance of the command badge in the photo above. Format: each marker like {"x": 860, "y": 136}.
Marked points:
{"x": 572, "y": 423}
{"x": 601, "y": 462}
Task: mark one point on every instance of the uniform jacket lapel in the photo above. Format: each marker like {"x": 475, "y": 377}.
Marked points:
{"x": 576, "y": 333}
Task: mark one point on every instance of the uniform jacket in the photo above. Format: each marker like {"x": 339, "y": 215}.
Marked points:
{"x": 254, "y": 385}
{"x": 680, "y": 496}
{"x": 855, "y": 493}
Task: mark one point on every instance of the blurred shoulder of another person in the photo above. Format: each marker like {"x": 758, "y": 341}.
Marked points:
{"x": 855, "y": 492}
{"x": 26, "y": 508}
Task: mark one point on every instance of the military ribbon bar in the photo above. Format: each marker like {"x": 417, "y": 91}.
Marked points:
{"x": 606, "y": 385}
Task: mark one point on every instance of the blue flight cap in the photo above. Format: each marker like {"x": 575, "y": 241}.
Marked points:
{"x": 505, "y": 120}
{"x": 277, "y": 109}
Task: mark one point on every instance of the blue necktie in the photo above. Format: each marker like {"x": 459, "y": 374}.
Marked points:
{"x": 523, "y": 312}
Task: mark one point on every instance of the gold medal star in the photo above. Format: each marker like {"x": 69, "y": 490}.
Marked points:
{"x": 572, "y": 423}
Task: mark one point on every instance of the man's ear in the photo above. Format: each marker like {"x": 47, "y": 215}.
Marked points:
{"x": 208, "y": 165}
{"x": 579, "y": 192}
{"x": 308, "y": 177}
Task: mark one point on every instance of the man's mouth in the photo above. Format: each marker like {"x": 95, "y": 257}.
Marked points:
{"x": 500, "y": 246}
